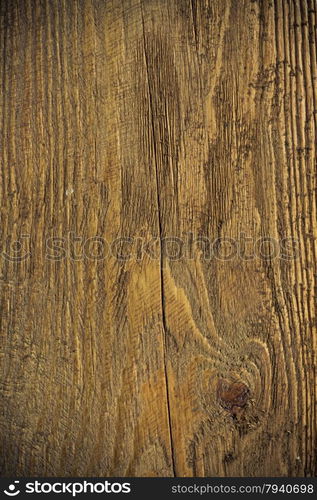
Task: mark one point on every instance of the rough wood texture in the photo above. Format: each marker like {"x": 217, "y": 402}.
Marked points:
{"x": 143, "y": 119}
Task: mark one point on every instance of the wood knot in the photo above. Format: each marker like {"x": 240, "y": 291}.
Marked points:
{"x": 232, "y": 396}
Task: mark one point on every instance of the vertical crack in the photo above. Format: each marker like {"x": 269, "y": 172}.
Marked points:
{"x": 159, "y": 210}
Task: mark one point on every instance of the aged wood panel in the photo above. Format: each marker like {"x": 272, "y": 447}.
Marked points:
{"x": 139, "y": 132}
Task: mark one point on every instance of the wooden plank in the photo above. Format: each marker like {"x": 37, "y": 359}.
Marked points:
{"x": 188, "y": 126}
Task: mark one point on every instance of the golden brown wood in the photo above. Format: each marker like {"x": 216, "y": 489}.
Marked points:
{"x": 155, "y": 119}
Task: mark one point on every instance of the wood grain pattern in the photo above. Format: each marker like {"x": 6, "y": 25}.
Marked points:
{"x": 157, "y": 119}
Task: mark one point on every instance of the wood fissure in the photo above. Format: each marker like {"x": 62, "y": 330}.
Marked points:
{"x": 161, "y": 265}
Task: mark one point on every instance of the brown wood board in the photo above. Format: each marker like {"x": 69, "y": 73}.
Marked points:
{"x": 158, "y": 140}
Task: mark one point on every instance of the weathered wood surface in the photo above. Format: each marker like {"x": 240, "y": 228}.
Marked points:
{"x": 143, "y": 119}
